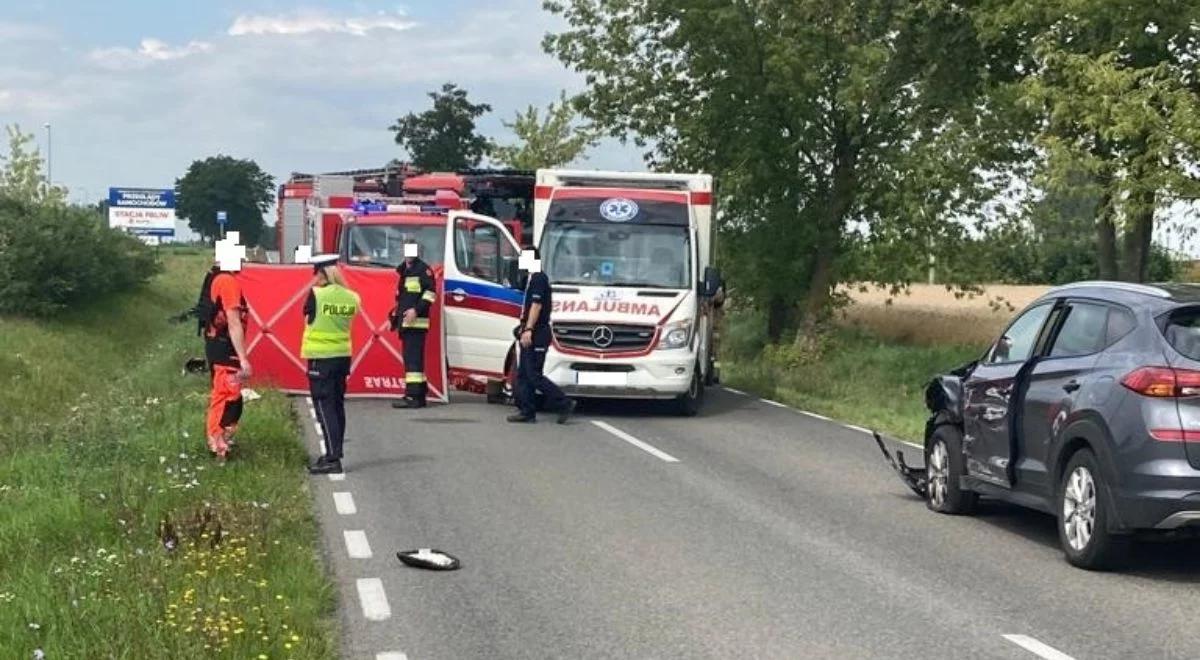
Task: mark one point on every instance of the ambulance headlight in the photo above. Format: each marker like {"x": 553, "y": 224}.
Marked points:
{"x": 676, "y": 335}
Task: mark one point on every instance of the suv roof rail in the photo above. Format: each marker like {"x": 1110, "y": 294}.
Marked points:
{"x": 1144, "y": 289}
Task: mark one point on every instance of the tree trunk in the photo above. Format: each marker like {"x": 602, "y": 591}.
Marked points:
{"x": 1106, "y": 237}
{"x": 1137, "y": 241}
{"x": 779, "y": 318}
{"x": 829, "y": 238}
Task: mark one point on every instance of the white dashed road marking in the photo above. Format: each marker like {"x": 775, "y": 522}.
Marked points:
{"x": 356, "y": 544}
{"x": 373, "y": 599}
{"x": 390, "y": 656}
{"x": 344, "y": 503}
{"x": 730, "y": 389}
{"x": 1037, "y": 648}
{"x": 814, "y": 415}
{"x": 773, "y": 403}
{"x": 339, "y": 476}
{"x": 635, "y": 442}
{"x": 858, "y": 428}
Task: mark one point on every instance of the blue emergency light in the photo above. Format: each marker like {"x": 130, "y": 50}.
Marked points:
{"x": 365, "y": 207}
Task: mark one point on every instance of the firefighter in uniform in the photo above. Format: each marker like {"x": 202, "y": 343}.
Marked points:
{"x": 329, "y": 312}
{"x": 414, "y": 296}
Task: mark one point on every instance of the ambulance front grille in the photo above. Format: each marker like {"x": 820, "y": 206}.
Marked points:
{"x": 604, "y": 337}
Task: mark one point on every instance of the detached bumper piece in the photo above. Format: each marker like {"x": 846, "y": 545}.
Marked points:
{"x": 914, "y": 478}
{"x": 429, "y": 559}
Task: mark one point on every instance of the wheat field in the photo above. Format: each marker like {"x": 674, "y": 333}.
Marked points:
{"x": 929, "y": 314}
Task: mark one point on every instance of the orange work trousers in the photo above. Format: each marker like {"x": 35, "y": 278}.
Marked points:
{"x": 224, "y": 408}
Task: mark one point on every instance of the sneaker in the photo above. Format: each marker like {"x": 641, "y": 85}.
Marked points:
{"x": 522, "y": 418}
{"x": 568, "y": 409}
{"x": 332, "y": 467}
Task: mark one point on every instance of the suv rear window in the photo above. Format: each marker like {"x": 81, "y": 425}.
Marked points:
{"x": 1182, "y": 331}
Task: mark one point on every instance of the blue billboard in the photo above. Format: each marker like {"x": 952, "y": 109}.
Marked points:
{"x": 141, "y": 198}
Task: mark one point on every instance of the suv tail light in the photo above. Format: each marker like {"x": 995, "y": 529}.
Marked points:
{"x": 1163, "y": 382}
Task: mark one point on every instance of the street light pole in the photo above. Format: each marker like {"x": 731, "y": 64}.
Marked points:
{"x": 49, "y": 155}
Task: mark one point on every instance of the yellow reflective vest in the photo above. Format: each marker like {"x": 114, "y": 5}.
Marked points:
{"x": 328, "y": 336}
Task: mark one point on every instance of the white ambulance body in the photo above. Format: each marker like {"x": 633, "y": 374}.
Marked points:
{"x": 629, "y": 256}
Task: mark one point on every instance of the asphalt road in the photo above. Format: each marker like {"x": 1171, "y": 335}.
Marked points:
{"x": 771, "y": 534}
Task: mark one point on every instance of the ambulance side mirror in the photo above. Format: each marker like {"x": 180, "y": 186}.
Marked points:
{"x": 712, "y": 282}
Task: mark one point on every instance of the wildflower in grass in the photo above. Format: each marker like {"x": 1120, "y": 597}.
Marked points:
{"x": 35, "y": 626}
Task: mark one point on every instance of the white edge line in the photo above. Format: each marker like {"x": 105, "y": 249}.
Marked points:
{"x": 912, "y": 444}
{"x": 373, "y": 599}
{"x": 356, "y": 544}
{"x": 773, "y": 403}
{"x": 391, "y": 656}
{"x": 1037, "y": 648}
{"x": 344, "y": 503}
{"x": 858, "y": 428}
{"x": 337, "y": 476}
{"x": 814, "y": 415}
{"x": 635, "y": 442}
{"x": 730, "y": 389}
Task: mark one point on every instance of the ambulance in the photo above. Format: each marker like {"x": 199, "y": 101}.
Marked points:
{"x": 630, "y": 260}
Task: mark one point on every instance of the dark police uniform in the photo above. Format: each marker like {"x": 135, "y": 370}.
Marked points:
{"x": 532, "y": 359}
{"x": 415, "y": 291}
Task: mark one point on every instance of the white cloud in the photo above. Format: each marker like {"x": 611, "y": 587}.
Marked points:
{"x": 149, "y": 51}
{"x": 308, "y": 22}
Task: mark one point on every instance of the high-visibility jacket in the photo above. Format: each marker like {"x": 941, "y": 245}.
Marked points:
{"x": 416, "y": 291}
{"x": 328, "y": 336}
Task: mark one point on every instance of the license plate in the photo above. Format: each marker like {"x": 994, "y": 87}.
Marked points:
{"x": 602, "y": 378}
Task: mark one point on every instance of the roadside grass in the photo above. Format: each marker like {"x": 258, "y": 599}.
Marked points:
{"x": 101, "y": 441}
{"x": 858, "y": 377}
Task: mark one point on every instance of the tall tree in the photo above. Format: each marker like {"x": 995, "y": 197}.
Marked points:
{"x": 553, "y": 140}
{"x": 21, "y": 176}
{"x": 443, "y": 137}
{"x": 813, "y": 114}
{"x": 1117, "y": 98}
{"x": 222, "y": 183}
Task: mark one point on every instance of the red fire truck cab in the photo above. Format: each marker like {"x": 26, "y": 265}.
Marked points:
{"x": 362, "y": 214}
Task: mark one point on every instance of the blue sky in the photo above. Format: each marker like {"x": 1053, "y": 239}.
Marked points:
{"x": 137, "y": 89}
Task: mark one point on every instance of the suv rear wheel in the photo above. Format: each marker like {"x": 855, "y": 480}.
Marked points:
{"x": 1083, "y": 516}
{"x": 944, "y": 469}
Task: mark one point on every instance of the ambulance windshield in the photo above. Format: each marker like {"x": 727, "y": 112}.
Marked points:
{"x": 383, "y": 245}
{"x": 608, "y": 254}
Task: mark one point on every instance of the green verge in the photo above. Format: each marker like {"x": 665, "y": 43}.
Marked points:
{"x": 857, "y": 378}
{"x": 101, "y": 440}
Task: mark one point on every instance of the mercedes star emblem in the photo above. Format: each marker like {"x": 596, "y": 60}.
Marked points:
{"x": 602, "y": 336}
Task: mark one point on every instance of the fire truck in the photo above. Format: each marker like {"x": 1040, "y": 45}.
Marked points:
{"x": 366, "y": 215}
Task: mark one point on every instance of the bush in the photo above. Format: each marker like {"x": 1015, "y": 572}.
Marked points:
{"x": 56, "y": 257}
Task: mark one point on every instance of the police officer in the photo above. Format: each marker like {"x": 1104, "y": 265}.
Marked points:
{"x": 329, "y": 312}
{"x": 414, "y": 296}
{"x": 533, "y": 334}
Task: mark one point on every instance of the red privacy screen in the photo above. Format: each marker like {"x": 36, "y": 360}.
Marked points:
{"x": 275, "y": 297}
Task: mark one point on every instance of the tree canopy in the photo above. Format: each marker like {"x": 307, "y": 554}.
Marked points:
{"x": 549, "y": 141}
{"x": 444, "y": 138}
{"x": 21, "y": 176}
{"x": 223, "y": 183}
{"x": 825, "y": 122}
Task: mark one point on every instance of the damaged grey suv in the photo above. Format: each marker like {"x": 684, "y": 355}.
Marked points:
{"x": 1087, "y": 408}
